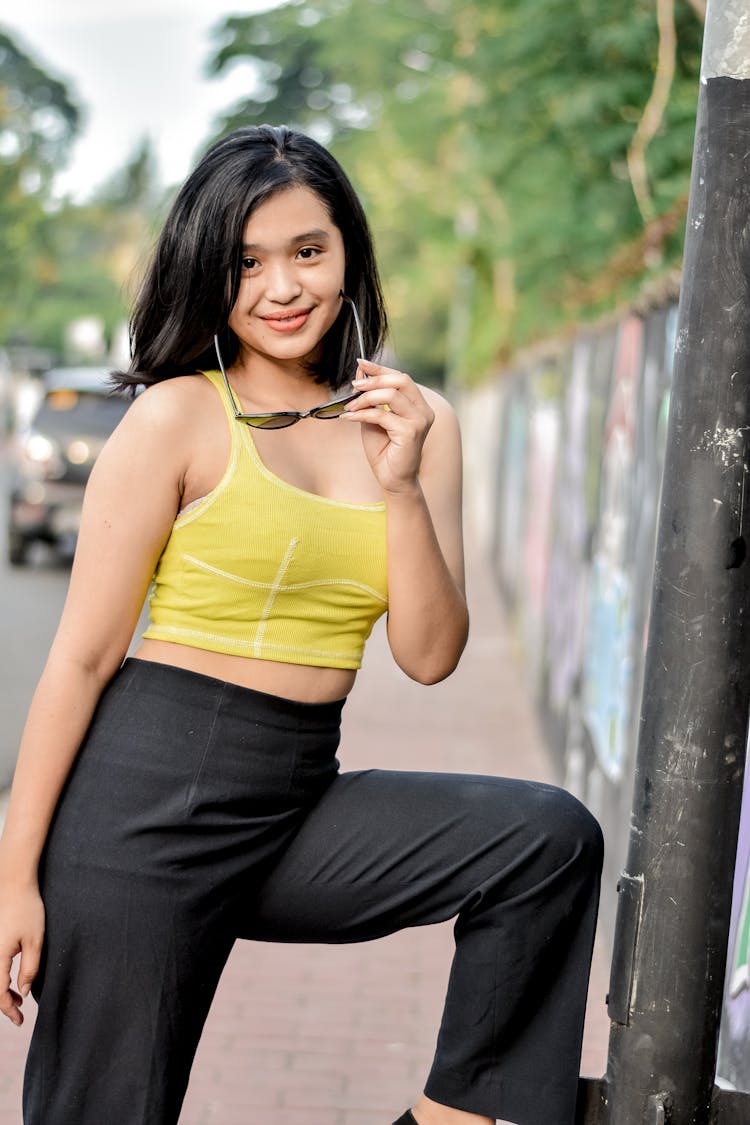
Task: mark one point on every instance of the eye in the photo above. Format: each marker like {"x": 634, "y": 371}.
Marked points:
{"x": 249, "y": 264}
{"x": 307, "y": 253}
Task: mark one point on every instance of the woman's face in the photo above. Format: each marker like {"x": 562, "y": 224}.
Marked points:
{"x": 293, "y": 262}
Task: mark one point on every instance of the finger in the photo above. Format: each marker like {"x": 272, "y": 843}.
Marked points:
{"x": 375, "y": 374}
{"x": 372, "y": 368}
{"x": 10, "y": 1004}
{"x": 386, "y": 376}
{"x": 29, "y": 967}
{"x": 5, "y": 969}
{"x": 387, "y": 398}
{"x": 383, "y": 417}
{"x": 395, "y": 381}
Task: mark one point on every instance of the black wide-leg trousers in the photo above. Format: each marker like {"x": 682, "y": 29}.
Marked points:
{"x": 198, "y": 812}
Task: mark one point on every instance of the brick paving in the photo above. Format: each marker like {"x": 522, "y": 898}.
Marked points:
{"x": 319, "y": 1035}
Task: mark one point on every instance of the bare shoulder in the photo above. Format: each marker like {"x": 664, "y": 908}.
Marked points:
{"x": 158, "y": 432}
{"x": 438, "y": 402}
{"x": 171, "y": 403}
{"x": 445, "y": 431}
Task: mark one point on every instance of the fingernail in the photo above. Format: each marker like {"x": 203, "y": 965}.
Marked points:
{"x": 25, "y": 989}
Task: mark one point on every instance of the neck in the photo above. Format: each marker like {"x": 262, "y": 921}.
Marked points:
{"x": 271, "y": 384}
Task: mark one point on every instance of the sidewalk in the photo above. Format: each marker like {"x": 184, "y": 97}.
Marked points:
{"x": 320, "y": 1035}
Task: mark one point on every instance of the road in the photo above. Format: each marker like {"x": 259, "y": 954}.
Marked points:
{"x": 31, "y": 600}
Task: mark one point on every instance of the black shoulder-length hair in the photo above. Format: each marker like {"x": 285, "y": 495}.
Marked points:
{"x": 192, "y": 282}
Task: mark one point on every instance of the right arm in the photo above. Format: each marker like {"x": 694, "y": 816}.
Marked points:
{"x": 131, "y": 501}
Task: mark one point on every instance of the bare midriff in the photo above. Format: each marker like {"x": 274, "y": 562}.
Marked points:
{"x": 290, "y": 681}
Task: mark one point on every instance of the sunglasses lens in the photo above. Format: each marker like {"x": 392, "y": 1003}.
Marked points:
{"x": 275, "y": 422}
{"x": 335, "y": 410}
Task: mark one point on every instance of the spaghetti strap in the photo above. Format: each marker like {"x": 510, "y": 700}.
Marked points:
{"x": 215, "y": 378}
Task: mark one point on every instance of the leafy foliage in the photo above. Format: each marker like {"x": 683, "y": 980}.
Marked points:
{"x": 488, "y": 139}
{"x": 489, "y": 142}
{"x": 60, "y": 261}
{"x": 38, "y": 120}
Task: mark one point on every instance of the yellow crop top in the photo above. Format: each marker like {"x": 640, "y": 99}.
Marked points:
{"x": 261, "y": 568}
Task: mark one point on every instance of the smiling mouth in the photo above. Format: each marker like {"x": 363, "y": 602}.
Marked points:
{"x": 287, "y": 322}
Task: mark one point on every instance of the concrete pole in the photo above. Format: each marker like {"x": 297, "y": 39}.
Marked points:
{"x": 675, "y": 894}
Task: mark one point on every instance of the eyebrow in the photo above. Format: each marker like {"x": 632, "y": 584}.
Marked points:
{"x": 307, "y": 236}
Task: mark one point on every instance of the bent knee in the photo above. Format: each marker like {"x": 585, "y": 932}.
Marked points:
{"x": 574, "y": 828}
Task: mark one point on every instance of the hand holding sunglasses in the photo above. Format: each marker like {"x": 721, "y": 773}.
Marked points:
{"x": 395, "y": 417}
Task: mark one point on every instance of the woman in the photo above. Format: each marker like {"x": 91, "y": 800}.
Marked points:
{"x": 166, "y": 805}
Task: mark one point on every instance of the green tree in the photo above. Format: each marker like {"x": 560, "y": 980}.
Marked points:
{"x": 38, "y": 120}
{"x": 92, "y": 254}
{"x": 492, "y": 142}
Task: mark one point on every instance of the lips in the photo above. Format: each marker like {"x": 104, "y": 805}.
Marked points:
{"x": 289, "y": 321}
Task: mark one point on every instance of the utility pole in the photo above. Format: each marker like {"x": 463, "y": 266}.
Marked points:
{"x": 675, "y": 894}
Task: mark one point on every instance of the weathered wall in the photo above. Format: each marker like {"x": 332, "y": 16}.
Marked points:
{"x": 564, "y": 459}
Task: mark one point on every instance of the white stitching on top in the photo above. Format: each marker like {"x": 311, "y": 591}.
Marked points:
{"x": 311, "y": 584}
{"x": 283, "y": 566}
{"x": 236, "y": 642}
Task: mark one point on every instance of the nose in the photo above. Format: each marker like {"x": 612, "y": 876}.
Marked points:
{"x": 282, "y": 283}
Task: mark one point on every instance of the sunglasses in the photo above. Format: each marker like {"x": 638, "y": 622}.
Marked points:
{"x": 280, "y": 419}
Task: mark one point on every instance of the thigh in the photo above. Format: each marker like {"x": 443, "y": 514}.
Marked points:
{"x": 129, "y": 968}
{"x": 180, "y": 791}
{"x": 383, "y": 850}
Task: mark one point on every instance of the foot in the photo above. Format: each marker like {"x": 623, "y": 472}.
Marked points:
{"x": 428, "y": 1112}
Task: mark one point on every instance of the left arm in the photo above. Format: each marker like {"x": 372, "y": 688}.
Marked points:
{"x": 414, "y": 448}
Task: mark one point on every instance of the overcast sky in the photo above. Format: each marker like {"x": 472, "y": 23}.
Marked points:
{"x": 137, "y": 68}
